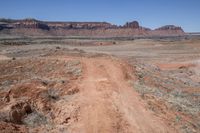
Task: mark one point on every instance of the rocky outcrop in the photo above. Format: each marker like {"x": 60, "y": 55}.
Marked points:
{"x": 79, "y": 25}
{"x": 168, "y": 30}
{"x": 31, "y": 23}
{"x": 134, "y": 25}
{"x": 101, "y": 29}
{"x": 170, "y": 27}
{"x": 5, "y": 25}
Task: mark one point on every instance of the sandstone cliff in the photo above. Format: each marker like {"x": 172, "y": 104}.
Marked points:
{"x": 92, "y": 29}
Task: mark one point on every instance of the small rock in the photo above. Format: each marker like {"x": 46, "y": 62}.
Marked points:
{"x": 15, "y": 116}
{"x": 27, "y": 108}
{"x": 57, "y": 47}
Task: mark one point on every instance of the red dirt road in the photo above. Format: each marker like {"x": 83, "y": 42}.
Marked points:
{"x": 109, "y": 104}
{"x": 103, "y": 100}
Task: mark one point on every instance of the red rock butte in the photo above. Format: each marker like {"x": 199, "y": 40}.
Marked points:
{"x": 88, "y": 29}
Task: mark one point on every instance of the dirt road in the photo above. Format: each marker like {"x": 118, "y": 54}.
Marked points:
{"x": 105, "y": 102}
{"x": 109, "y": 103}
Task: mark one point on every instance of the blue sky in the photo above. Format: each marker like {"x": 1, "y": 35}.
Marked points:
{"x": 149, "y": 13}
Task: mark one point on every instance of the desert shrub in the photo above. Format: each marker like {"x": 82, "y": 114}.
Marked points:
{"x": 53, "y": 94}
{"x": 34, "y": 119}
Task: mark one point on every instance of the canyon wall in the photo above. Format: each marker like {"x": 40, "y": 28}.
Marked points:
{"x": 89, "y": 29}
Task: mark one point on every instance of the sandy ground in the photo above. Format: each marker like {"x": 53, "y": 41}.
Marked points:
{"x": 140, "y": 86}
{"x": 3, "y": 57}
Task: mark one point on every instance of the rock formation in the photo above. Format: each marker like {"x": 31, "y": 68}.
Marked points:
{"x": 92, "y": 29}
{"x": 79, "y": 25}
{"x": 169, "y": 27}
{"x": 133, "y": 24}
{"x": 31, "y": 23}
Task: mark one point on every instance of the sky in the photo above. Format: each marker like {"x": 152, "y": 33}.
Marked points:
{"x": 149, "y": 13}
